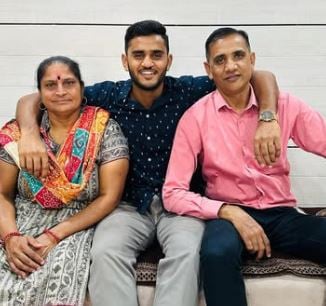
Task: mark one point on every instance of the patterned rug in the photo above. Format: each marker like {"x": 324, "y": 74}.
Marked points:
{"x": 146, "y": 268}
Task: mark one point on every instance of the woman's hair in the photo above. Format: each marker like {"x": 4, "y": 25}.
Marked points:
{"x": 72, "y": 65}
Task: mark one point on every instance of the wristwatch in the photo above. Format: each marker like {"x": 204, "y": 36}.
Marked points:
{"x": 267, "y": 116}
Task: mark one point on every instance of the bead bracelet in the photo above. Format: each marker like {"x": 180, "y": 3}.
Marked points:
{"x": 10, "y": 235}
{"x": 52, "y": 235}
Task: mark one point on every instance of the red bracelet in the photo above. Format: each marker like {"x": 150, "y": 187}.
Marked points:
{"x": 52, "y": 235}
{"x": 9, "y": 235}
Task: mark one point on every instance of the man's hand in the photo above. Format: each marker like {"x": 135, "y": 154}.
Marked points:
{"x": 267, "y": 142}
{"x": 250, "y": 231}
{"x": 22, "y": 255}
{"x": 32, "y": 155}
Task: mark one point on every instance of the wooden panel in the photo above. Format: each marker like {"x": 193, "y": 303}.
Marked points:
{"x": 308, "y": 178}
{"x": 304, "y": 52}
{"x": 310, "y": 192}
{"x": 8, "y": 100}
{"x": 19, "y": 70}
{"x": 290, "y": 41}
{"x": 294, "y": 54}
{"x": 291, "y": 53}
{"x": 18, "y": 40}
{"x": 168, "y": 11}
{"x": 304, "y": 164}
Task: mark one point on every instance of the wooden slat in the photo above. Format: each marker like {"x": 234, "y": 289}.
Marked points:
{"x": 290, "y": 41}
{"x": 310, "y": 192}
{"x": 168, "y": 11}
{"x": 304, "y": 164}
{"x": 285, "y": 68}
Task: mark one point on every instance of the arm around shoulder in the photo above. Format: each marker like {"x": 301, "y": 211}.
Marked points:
{"x": 27, "y": 111}
{"x": 267, "y": 142}
{"x": 32, "y": 152}
{"x": 266, "y": 90}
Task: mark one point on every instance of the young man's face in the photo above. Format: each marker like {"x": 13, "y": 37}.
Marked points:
{"x": 230, "y": 64}
{"x": 147, "y": 61}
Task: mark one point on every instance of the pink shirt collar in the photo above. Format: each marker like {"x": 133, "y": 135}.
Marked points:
{"x": 220, "y": 102}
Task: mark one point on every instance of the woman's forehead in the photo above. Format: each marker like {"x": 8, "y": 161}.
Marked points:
{"x": 58, "y": 71}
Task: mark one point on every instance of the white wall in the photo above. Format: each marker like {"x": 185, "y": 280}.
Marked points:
{"x": 288, "y": 37}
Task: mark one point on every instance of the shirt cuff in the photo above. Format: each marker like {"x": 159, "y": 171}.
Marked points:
{"x": 211, "y": 208}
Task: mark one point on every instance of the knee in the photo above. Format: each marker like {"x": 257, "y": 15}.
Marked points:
{"x": 221, "y": 253}
{"x": 106, "y": 250}
{"x": 219, "y": 257}
{"x": 184, "y": 250}
{"x": 221, "y": 245}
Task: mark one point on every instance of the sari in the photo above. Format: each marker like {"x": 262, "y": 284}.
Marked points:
{"x": 71, "y": 168}
{"x": 62, "y": 280}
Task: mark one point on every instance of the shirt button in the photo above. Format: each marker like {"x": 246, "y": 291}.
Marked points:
{"x": 148, "y": 137}
{"x": 147, "y": 115}
{"x": 149, "y": 159}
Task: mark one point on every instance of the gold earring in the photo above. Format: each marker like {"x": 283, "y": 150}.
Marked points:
{"x": 42, "y": 107}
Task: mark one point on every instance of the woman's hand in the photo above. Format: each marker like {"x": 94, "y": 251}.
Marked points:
{"x": 48, "y": 244}
{"x": 22, "y": 255}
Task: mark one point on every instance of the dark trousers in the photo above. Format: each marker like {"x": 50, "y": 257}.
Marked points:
{"x": 222, "y": 249}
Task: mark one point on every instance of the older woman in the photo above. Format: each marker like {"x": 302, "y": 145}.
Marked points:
{"x": 46, "y": 225}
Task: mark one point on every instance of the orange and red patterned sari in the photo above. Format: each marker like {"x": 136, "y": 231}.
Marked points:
{"x": 72, "y": 166}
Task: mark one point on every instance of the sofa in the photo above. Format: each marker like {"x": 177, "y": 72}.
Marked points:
{"x": 278, "y": 281}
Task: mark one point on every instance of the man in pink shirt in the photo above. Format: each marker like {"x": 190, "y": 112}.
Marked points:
{"x": 249, "y": 208}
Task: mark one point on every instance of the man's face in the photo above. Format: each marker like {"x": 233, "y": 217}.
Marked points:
{"x": 230, "y": 64}
{"x": 147, "y": 61}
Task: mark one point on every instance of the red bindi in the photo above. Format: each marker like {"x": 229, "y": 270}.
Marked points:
{"x": 58, "y": 77}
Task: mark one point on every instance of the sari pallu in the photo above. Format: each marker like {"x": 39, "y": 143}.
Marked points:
{"x": 71, "y": 168}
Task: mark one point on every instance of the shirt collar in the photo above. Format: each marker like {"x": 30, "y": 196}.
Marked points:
{"x": 125, "y": 90}
{"x": 220, "y": 102}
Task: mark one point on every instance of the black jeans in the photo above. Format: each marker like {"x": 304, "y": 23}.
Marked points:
{"x": 222, "y": 249}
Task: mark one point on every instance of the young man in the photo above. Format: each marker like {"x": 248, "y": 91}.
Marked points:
{"x": 147, "y": 107}
{"x": 249, "y": 208}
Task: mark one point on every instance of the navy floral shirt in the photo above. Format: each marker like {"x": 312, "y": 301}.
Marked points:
{"x": 150, "y": 131}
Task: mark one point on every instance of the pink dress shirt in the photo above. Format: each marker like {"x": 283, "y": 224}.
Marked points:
{"x": 221, "y": 140}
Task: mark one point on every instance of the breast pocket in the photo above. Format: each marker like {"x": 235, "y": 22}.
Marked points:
{"x": 275, "y": 169}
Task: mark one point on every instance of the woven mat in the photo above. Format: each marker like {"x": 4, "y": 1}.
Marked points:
{"x": 146, "y": 267}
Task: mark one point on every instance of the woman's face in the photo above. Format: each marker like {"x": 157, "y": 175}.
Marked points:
{"x": 60, "y": 90}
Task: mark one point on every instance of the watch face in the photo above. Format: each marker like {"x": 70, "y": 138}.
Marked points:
{"x": 267, "y": 116}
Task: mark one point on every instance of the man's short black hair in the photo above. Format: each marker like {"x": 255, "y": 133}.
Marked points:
{"x": 223, "y": 32}
{"x": 146, "y": 28}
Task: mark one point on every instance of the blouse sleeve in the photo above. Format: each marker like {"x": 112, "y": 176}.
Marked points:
{"x": 114, "y": 144}
{"x": 4, "y": 156}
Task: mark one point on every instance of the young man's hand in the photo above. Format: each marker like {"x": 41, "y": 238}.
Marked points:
{"x": 32, "y": 154}
{"x": 267, "y": 142}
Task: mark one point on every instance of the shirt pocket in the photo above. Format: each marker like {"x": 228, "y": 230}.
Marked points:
{"x": 275, "y": 169}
